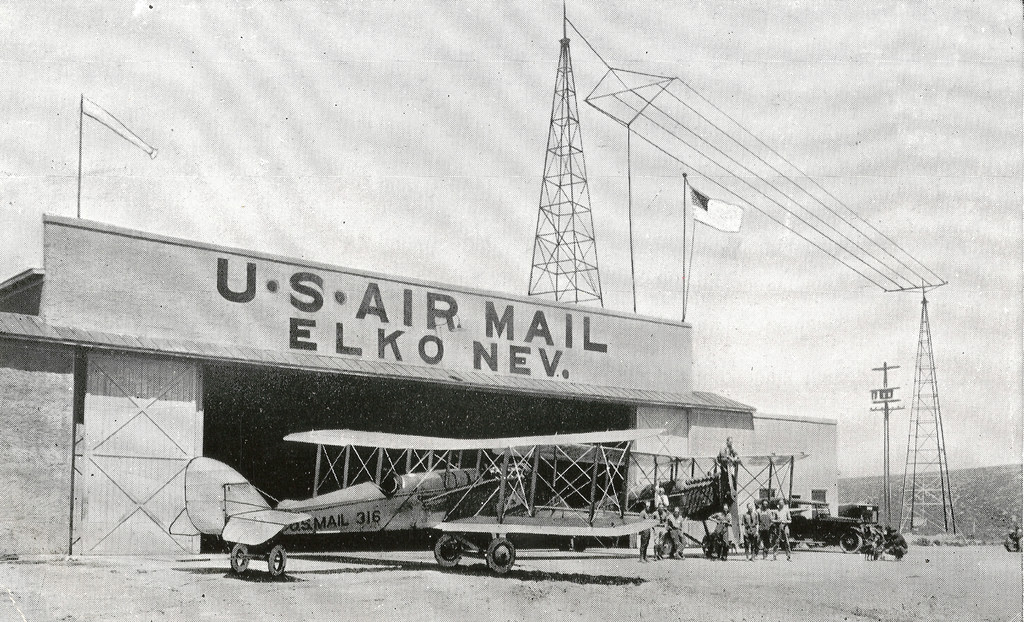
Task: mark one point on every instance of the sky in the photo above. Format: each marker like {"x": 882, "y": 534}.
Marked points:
{"x": 408, "y": 138}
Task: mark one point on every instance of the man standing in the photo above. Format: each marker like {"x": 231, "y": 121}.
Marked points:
{"x": 749, "y": 523}
{"x": 728, "y": 466}
{"x": 720, "y": 537}
{"x": 675, "y": 532}
{"x": 646, "y": 513}
{"x": 782, "y": 520}
{"x": 764, "y": 529}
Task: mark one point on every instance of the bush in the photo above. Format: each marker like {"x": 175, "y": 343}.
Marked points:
{"x": 923, "y": 542}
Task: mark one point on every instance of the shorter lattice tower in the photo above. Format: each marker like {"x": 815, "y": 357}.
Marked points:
{"x": 564, "y": 250}
{"x": 927, "y": 499}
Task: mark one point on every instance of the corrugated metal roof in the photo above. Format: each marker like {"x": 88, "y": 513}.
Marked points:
{"x": 712, "y": 400}
{"x": 34, "y": 328}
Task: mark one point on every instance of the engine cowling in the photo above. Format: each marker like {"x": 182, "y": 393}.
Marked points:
{"x": 431, "y": 481}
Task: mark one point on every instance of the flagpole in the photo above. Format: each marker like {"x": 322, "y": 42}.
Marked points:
{"x": 686, "y": 213}
{"x": 81, "y": 115}
{"x": 629, "y": 185}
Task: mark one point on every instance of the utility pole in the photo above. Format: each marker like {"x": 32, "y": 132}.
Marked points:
{"x": 886, "y": 396}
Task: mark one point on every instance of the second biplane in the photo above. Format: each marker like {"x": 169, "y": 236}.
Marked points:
{"x": 475, "y": 492}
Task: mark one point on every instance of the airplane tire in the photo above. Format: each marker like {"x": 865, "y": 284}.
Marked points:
{"x": 447, "y": 550}
{"x": 239, "y": 558}
{"x": 501, "y": 554}
{"x": 277, "y": 560}
{"x": 850, "y": 542}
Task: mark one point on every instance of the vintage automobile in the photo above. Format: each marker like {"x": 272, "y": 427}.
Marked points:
{"x": 814, "y": 525}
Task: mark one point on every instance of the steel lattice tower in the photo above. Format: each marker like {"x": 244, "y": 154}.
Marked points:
{"x": 927, "y": 499}
{"x": 564, "y": 250}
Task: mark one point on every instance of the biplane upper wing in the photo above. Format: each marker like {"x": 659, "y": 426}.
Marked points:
{"x": 670, "y": 446}
{"x": 342, "y": 438}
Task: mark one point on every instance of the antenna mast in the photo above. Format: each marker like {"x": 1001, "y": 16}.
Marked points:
{"x": 928, "y": 501}
{"x": 564, "y": 249}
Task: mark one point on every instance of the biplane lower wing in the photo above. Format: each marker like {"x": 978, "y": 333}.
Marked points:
{"x": 535, "y": 528}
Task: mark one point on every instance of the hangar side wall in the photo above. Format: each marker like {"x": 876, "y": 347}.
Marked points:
{"x": 820, "y": 469}
{"x": 710, "y": 428}
{"x": 36, "y": 407}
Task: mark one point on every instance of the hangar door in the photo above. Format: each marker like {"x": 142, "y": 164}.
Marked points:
{"x": 143, "y": 423}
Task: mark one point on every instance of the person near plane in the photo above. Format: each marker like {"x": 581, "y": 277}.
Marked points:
{"x": 764, "y": 529}
{"x": 675, "y": 533}
{"x": 782, "y": 520}
{"x": 749, "y": 524}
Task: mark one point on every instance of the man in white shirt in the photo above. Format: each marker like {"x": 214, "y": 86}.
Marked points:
{"x": 782, "y": 519}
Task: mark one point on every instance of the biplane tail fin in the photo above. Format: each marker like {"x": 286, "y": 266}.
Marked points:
{"x": 220, "y": 501}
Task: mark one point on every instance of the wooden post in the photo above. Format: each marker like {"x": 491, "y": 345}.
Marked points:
{"x": 380, "y": 464}
{"x": 316, "y": 471}
{"x": 501, "y": 487}
{"x": 792, "y": 460}
{"x": 344, "y": 477}
{"x": 593, "y": 487}
{"x": 533, "y": 481}
{"x": 625, "y": 482}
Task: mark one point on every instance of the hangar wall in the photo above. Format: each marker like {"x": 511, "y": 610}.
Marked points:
{"x": 819, "y": 471}
{"x": 36, "y": 410}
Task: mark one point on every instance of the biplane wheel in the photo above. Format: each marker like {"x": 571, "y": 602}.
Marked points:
{"x": 239, "y": 558}
{"x": 276, "y": 561}
{"x": 447, "y": 550}
{"x": 501, "y": 554}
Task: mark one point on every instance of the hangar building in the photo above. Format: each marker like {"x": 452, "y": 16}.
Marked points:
{"x": 127, "y": 354}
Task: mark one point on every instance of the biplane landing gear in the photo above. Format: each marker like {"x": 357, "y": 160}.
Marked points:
{"x": 501, "y": 554}
{"x": 448, "y": 550}
{"x": 239, "y": 558}
{"x": 276, "y": 561}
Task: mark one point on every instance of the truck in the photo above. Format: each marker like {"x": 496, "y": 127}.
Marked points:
{"x": 814, "y": 525}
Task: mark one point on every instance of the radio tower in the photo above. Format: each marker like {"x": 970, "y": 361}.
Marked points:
{"x": 927, "y": 499}
{"x": 564, "y": 250}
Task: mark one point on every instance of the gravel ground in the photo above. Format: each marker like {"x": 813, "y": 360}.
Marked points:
{"x": 942, "y": 583}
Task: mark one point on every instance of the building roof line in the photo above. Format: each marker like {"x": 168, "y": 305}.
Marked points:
{"x": 33, "y": 328}
{"x": 90, "y": 225}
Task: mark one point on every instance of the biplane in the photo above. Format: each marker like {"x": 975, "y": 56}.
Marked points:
{"x": 474, "y": 493}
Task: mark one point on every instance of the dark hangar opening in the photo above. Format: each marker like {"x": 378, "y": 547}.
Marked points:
{"x": 248, "y": 410}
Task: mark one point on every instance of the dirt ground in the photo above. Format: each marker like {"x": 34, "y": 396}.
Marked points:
{"x": 932, "y": 583}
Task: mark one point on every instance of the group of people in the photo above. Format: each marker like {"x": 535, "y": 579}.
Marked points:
{"x": 766, "y": 527}
{"x": 879, "y": 541}
{"x": 668, "y": 534}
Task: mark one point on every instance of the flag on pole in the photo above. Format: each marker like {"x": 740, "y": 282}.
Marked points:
{"x": 716, "y": 214}
{"x": 93, "y": 110}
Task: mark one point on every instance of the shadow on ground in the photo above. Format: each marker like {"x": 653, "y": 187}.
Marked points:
{"x": 374, "y": 564}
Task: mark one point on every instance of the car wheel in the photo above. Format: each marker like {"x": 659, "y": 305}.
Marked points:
{"x": 851, "y": 541}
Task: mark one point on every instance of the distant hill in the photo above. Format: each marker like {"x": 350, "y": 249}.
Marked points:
{"x": 987, "y": 501}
